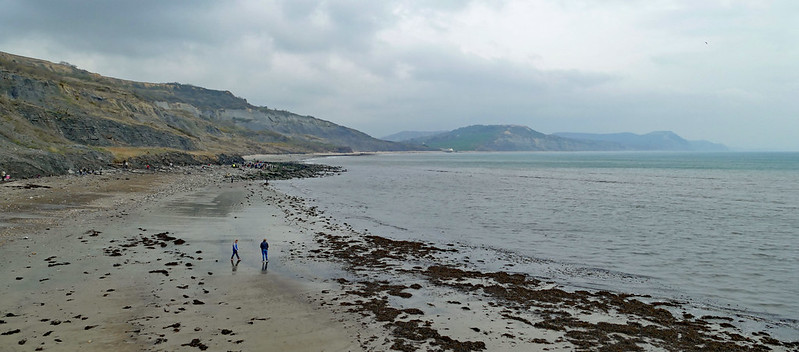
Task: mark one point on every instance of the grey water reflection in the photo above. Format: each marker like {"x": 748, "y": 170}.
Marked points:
{"x": 198, "y": 205}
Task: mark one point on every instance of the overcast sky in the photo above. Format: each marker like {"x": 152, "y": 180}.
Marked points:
{"x": 725, "y": 71}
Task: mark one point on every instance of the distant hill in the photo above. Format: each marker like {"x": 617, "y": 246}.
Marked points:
{"x": 522, "y": 138}
{"x": 55, "y": 117}
{"x": 408, "y": 135}
{"x": 506, "y": 138}
{"x": 659, "y": 140}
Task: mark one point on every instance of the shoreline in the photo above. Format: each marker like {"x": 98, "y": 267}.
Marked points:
{"x": 423, "y": 291}
{"x": 352, "y": 290}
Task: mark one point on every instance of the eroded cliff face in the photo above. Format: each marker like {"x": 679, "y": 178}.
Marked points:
{"x": 52, "y": 124}
{"x": 56, "y": 117}
{"x": 307, "y": 129}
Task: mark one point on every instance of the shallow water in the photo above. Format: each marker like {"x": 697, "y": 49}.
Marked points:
{"x": 716, "y": 230}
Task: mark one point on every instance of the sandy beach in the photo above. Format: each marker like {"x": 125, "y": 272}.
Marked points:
{"x": 140, "y": 261}
{"x": 99, "y": 262}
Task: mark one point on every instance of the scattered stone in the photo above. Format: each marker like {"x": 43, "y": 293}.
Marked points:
{"x": 196, "y": 343}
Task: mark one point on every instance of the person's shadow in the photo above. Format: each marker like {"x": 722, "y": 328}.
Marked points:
{"x": 263, "y": 267}
{"x": 235, "y": 265}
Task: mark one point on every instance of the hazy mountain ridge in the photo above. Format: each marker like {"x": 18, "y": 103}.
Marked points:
{"x": 505, "y": 138}
{"x": 522, "y": 138}
{"x": 408, "y": 135}
{"x": 657, "y": 140}
{"x": 57, "y": 117}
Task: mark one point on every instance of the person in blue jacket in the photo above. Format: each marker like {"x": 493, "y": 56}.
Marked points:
{"x": 264, "y": 250}
{"x": 235, "y": 250}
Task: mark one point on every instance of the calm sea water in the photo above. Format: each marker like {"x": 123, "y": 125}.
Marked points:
{"x": 717, "y": 230}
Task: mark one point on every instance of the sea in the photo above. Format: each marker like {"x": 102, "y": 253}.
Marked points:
{"x": 716, "y": 232}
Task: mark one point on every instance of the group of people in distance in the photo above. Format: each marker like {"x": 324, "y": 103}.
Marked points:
{"x": 264, "y": 251}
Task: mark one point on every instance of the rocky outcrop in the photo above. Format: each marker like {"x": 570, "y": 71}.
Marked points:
{"x": 33, "y": 163}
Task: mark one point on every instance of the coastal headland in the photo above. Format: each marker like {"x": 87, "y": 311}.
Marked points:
{"x": 139, "y": 260}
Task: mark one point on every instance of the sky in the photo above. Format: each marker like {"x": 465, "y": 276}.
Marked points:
{"x": 720, "y": 70}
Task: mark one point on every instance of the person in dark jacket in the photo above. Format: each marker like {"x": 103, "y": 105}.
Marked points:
{"x": 235, "y": 250}
{"x": 264, "y": 250}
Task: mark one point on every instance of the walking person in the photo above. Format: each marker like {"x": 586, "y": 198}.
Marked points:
{"x": 235, "y": 250}
{"x": 264, "y": 251}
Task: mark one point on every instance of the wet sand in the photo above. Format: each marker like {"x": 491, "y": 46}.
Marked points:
{"x": 140, "y": 261}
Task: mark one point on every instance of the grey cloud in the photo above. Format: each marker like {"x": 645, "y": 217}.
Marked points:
{"x": 313, "y": 26}
{"x": 150, "y": 27}
{"x": 489, "y": 81}
{"x": 114, "y": 27}
{"x": 351, "y": 24}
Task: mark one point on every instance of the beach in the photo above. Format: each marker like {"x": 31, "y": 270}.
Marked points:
{"x": 137, "y": 260}
{"x": 85, "y": 269}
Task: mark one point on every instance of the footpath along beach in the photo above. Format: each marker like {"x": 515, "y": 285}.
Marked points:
{"x": 140, "y": 261}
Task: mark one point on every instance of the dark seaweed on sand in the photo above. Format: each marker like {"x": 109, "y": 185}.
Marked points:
{"x": 520, "y": 293}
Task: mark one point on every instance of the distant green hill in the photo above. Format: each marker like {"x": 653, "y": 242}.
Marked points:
{"x": 522, "y": 138}
{"x": 55, "y": 117}
{"x": 506, "y": 138}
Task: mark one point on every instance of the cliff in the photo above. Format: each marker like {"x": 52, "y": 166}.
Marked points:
{"x": 56, "y": 117}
